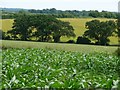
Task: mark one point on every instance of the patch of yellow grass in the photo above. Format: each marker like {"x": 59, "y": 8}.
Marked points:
{"x": 113, "y": 40}
{"x": 7, "y": 24}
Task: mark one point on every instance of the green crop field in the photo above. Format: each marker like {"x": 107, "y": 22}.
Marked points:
{"x": 29, "y": 68}
{"x": 77, "y": 23}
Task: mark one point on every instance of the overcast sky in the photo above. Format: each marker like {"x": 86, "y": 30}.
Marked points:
{"x": 108, "y": 5}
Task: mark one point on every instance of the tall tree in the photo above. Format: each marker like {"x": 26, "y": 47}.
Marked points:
{"x": 42, "y": 24}
{"x": 21, "y": 26}
{"x": 60, "y": 28}
{"x": 100, "y": 31}
{"x": 49, "y": 27}
{"x": 43, "y": 27}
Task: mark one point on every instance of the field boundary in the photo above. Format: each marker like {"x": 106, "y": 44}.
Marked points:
{"x": 58, "y": 46}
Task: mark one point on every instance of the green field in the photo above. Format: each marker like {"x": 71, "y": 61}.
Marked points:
{"x": 77, "y": 23}
{"x": 58, "y": 46}
{"x": 36, "y": 68}
{"x": 0, "y": 67}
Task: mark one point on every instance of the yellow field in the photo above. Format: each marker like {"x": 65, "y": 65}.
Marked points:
{"x": 77, "y": 23}
{"x": 7, "y": 24}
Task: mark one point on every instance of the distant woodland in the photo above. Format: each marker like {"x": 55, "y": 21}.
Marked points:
{"x": 9, "y": 13}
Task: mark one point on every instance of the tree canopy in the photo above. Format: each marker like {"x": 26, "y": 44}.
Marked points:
{"x": 43, "y": 27}
{"x": 100, "y": 31}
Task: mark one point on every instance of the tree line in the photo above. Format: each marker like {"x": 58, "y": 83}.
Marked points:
{"x": 42, "y": 28}
{"x": 62, "y": 14}
{"x": 46, "y": 28}
{"x": 76, "y": 13}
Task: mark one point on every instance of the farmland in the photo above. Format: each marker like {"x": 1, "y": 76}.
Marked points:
{"x": 27, "y": 64}
{"x": 77, "y": 23}
{"x": 23, "y": 68}
{"x": 51, "y": 65}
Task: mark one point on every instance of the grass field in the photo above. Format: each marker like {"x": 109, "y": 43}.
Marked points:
{"x": 59, "y": 46}
{"x": 77, "y": 23}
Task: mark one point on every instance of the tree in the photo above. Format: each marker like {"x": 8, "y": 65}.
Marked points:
{"x": 42, "y": 23}
{"x": 12, "y": 34}
{"x": 49, "y": 27}
{"x": 100, "y": 31}
{"x": 1, "y": 33}
{"x": 21, "y": 26}
{"x": 43, "y": 27}
{"x": 60, "y": 28}
{"x": 83, "y": 40}
{"x": 70, "y": 41}
{"x": 4, "y": 35}
{"x": 94, "y": 14}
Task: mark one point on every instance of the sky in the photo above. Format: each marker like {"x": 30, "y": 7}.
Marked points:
{"x": 107, "y": 5}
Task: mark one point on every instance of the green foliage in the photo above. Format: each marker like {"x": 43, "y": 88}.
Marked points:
{"x": 42, "y": 24}
{"x": 94, "y": 14}
{"x": 23, "y": 68}
{"x": 75, "y": 13}
{"x": 1, "y": 34}
{"x": 118, "y": 54}
{"x": 83, "y": 40}
{"x": 4, "y": 35}
{"x": 70, "y": 41}
{"x": 77, "y": 23}
{"x": 100, "y": 31}
{"x": 10, "y": 13}
{"x": 8, "y": 16}
{"x": 103, "y": 14}
{"x": 21, "y": 26}
{"x": 42, "y": 27}
{"x": 61, "y": 28}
